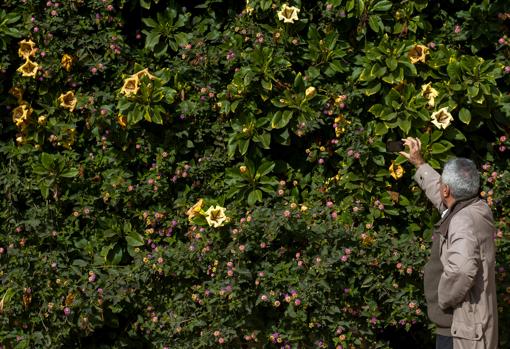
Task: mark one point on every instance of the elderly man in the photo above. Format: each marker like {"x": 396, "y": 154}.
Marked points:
{"x": 459, "y": 278}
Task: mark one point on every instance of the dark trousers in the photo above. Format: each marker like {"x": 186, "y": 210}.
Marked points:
{"x": 444, "y": 342}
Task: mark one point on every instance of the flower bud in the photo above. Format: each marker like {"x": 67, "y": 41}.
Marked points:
{"x": 310, "y": 92}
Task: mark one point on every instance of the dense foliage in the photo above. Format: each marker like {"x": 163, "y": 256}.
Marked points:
{"x": 180, "y": 174}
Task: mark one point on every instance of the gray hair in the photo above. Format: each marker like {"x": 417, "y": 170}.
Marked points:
{"x": 462, "y": 177}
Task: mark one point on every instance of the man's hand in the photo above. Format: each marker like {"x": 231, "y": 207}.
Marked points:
{"x": 414, "y": 156}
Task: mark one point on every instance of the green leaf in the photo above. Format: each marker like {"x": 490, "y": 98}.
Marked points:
{"x": 45, "y": 189}
{"x": 465, "y": 116}
{"x": 405, "y": 125}
{"x": 392, "y": 63}
{"x": 265, "y": 140}
{"x": 47, "y": 160}
{"x": 299, "y": 84}
{"x": 441, "y": 147}
{"x": 281, "y": 119}
{"x": 373, "y": 22}
{"x": 381, "y": 129}
{"x": 116, "y": 256}
{"x": 267, "y": 85}
{"x": 145, "y": 4}
{"x": 149, "y": 21}
{"x": 134, "y": 239}
{"x": 243, "y": 145}
{"x": 152, "y": 40}
{"x": 264, "y": 169}
{"x": 72, "y": 172}
{"x": 376, "y": 109}
{"x": 373, "y": 89}
{"x": 382, "y": 6}
{"x": 254, "y": 196}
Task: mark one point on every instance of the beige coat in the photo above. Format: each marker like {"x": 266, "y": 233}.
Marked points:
{"x": 468, "y": 281}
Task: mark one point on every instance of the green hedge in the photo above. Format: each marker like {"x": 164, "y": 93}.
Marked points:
{"x": 213, "y": 173}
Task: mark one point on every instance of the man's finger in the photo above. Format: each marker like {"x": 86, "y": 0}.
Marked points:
{"x": 404, "y": 154}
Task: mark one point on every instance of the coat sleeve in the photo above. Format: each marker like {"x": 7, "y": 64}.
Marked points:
{"x": 462, "y": 263}
{"x": 429, "y": 180}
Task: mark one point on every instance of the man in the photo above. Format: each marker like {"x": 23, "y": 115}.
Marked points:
{"x": 459, "y": 278}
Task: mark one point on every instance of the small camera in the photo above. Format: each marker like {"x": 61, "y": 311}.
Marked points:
{"x": 395, "y": 146}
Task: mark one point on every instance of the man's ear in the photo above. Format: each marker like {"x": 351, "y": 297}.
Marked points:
{"x": 446, "y": 191}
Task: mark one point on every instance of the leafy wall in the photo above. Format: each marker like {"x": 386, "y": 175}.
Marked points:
{"x": 194, "y": 174}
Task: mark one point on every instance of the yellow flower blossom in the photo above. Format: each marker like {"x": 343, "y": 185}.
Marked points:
{"x": 215, "y": 216}
{"x": 41, "y": 120}
{"x": 418, "y": 53}
{"x": 441, "y": 118}
{"x": 122, "y": 120}
{"x": 21, "y": 114}
{"x": 248, "y": 9}
{"x": 130, "y": 86}
{"x": 29, "y": 68}
{"x": 142, "y": 73}
{"x": 429, "y": 93}
{"x": 17, "y": 92}
{"x": 195, "y": 209}
{"x": 396, "y": 171}
{"x": 288, "y": 14}
{"x": 68, "y": 100}
{"x": 67, "y": 62}
{"x": 26, "y": 49}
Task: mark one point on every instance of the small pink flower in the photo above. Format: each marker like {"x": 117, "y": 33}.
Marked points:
{"x": 457, "y": 29}
{"x": 286, "y": 213}
{"x": 263, "y": 298}
{"x": 297, "y": 302}
{"x": 503, "y": 138}
{"x": 67, "y": 311}
{"x": 344, "y": 258}
{"x": 501, "y": 41}
{"x": 334, "y": 215}
{"x": 329, "y": 204}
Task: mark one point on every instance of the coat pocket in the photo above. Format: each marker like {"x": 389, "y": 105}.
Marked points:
{"x": 465, "y": 330}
